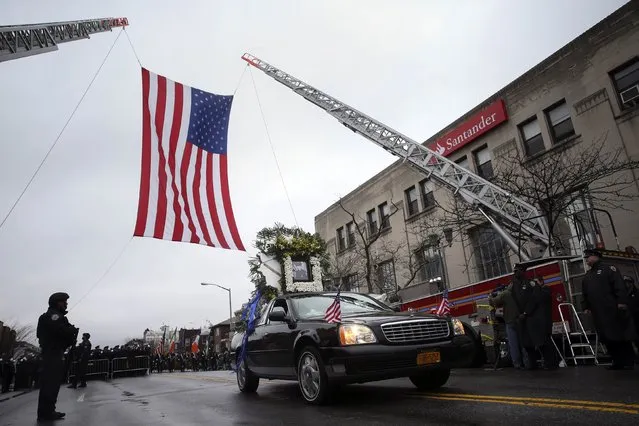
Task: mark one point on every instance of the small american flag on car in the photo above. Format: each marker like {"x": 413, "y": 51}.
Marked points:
{"x": 334, "y": 311}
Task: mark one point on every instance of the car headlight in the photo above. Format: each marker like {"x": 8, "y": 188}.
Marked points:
{"x": 355, "y": 334}
{"x": 458, "y": 327}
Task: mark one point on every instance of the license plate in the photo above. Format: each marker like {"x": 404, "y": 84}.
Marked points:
{"x": 426, "y": 358}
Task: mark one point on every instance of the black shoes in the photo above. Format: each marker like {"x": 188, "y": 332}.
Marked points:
{"x": 51, "y": 417}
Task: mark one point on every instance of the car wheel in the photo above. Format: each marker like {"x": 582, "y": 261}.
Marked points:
{"x": 431, "y": 380}
{"x": 311, "y": 376}
{"x": 247, "y": 382}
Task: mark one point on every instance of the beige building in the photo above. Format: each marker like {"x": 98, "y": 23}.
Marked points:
{"x": 585, "y": 94}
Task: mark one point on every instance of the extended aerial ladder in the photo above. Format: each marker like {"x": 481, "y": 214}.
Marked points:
{"x": 19, "y": 41}
{"x": 502, "y": 210}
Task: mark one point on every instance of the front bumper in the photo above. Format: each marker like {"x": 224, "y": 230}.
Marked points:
{"x": 371, "y": 362}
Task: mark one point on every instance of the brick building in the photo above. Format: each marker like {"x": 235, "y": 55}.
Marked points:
{"x": 586, "y": 91}
{"x": 220, "y": 335}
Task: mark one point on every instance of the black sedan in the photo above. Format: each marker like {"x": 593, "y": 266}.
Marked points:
{"x": 292, "y": 341}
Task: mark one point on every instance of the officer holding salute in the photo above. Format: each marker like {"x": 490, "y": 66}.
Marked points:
{"x": 55, "y": 334}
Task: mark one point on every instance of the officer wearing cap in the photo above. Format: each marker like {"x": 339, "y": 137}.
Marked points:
{"x": 55, "y": 334}
{"x": 82, "y": 354}
{"x": 606, "y": 297}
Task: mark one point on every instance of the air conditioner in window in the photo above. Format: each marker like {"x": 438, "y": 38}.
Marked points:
{"x": 630, "y": 95}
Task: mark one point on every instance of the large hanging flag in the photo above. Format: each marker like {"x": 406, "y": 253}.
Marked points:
{"x": 184, "y": 187}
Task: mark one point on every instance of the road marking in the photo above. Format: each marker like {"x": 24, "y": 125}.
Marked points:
{"x": 209, "y": 379}
{"x": 610, "y": 407}
{"x": 81, "y": 398}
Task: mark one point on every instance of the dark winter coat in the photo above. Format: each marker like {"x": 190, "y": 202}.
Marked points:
{"x": 533, "y": 324}
{"x": 603, "y": 289}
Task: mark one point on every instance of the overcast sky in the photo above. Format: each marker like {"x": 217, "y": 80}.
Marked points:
{"x": 414, "y": 65}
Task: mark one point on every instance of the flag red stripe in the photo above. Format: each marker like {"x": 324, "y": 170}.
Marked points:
{"x": 178, "y": 227}
{"x": 145, "y": 178}
{"x": 226, "y": 197}
{"x": 184, "y": 168}
{"x": 160, "y": 217}
{"x": 197, "y": 199}
{"x": 210, "y": 195}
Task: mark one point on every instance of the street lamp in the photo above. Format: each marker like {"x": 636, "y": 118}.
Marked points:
{"x": 230, "y": 307}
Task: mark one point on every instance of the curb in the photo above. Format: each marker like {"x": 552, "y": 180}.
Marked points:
{"x": 14, "y": 396}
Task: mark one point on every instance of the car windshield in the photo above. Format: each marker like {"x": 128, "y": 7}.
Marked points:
{"x": 314, "y": 306}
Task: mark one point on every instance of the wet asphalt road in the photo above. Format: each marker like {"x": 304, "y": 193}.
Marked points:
{"x": 585, "y": 395}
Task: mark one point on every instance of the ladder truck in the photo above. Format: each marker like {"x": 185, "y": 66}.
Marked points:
{"x": 19, "y": 41}
{"x": 511, "y": 217}
{"x": 515, "y": 220}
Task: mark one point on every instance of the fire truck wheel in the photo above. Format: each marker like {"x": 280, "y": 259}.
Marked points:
{"x": 431, "y": 380}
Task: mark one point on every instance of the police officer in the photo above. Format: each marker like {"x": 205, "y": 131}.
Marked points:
{"x": 82, "y": 354}
{"x": 55, "y": 334}
{"x": 606, "y": 297}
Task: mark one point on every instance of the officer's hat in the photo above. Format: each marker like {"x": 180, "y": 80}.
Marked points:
{"x": 58, "y": 297}
{"x": 519, "y": 267}
{"x": 87, "y": 335}
{"x": 592, "y": 252}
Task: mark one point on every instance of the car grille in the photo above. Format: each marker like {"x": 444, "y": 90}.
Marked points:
{"x": 415, "y": 331}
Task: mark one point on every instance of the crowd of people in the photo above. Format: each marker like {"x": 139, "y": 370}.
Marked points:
{"x": 611, "y": 299}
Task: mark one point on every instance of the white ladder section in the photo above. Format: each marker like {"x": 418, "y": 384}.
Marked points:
{"x": 577, "y": 340}
{"x": 517, "y": 215}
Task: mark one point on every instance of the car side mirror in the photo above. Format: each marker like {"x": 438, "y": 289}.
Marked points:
{"x": 277, "y": 314}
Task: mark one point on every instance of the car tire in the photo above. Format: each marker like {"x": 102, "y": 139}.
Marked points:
{"x": 431, "y": 380}
{"x": 247, "y": 382}
{"x": 312, "y": 378}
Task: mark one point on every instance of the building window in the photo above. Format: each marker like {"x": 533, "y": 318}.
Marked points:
{"x": 560, "y": 122}
{"x": 350, "y": 232}
{"x": 464, "y": 162}
{"x": 341, "y": 239}
{"x": 533, "y": 141}
{"x": 626, "y": 80}
{"x": 431, "y": 266}
{"x": 411, "y": 200}
{"x": 428, "y": 199}
{"x": 371, "y": 219}
{"x": 350, "y": 283}
{"x": 491, "y": 253}
{"x": 386, "y": 276}
{"x": 384, "y": 215}
{"x": 484, "y": 163}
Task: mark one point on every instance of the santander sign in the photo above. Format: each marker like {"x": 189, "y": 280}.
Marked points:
{"x": 480, "y": 123}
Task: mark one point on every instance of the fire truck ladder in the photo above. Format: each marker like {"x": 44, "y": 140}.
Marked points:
{"x": 19, "y": 41}
{"x": 520, "y": 217}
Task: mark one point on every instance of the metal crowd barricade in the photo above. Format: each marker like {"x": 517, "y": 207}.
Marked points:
{"x": 126, "y": 364}
{"x": 95, "y": 367}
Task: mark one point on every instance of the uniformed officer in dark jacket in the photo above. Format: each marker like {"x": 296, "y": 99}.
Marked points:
{"x": 606, "y": 297}
{"x": 82, "y": 354}
{"x": 633, "y": 305}
{"x": 55, "y": 335}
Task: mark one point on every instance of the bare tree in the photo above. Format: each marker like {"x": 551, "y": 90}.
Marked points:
{"x": 368, "y": 245}
{"x": 555, "y": 181}
{"x": 24, "y": 332}
{"x": 424, "y": 232}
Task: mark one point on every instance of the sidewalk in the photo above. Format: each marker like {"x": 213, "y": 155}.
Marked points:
{"x": 14, "y": 394}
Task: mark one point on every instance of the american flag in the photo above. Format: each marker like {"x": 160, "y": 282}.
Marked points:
{"x": 444, "y": 306}
{"x": 334, "y": 311}
{"x": 184, "y": 186}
